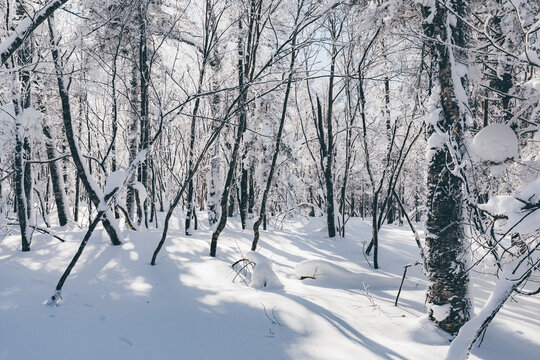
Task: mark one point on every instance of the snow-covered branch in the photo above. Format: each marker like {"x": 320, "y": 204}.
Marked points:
{"x": 25, "y": 27}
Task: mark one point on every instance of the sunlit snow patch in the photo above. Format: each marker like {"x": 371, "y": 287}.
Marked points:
{"x": 139, "y": 286}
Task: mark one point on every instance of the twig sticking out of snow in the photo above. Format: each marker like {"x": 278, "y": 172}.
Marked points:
{"x": 242, "y": 270}
{"x": 405, "y": 268}
{"x": 274, "y": 320}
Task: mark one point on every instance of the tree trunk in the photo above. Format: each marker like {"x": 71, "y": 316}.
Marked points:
{"x": 213, "y": 176}
{"x": 144, "y": 68}
{"x": 328, "y": 178}
{"x": 262, "y": 211}
{"x": 89, "y": 183}
{"x": 227, "y": 189}
{"x": 448, "y": 298}
{"x": 133, "y": 130}
{"x": 57, "y": 180}
{"x": 23, "y": 171}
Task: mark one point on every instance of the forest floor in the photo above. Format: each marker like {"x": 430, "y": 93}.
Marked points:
{"x": 191, "y": 306}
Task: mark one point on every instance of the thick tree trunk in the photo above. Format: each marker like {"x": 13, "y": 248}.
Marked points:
{"x": 23, "y": 171}
{"x": 213, "y": 176}
{"x": 226, "y": 193}
{"x": 329, "y": 163}
{"x": 19, "y": 190}
{"x": 448, "y": 297}
{"x": 244, "y": 193}
{"x": 190, "y": 213}
{"x": 215, "y": 105}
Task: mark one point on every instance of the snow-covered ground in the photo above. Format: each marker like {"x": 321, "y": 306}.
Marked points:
{"x": 117, "y": 306}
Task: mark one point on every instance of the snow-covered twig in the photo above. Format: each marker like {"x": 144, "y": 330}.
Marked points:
{"x": 25, "y": 27}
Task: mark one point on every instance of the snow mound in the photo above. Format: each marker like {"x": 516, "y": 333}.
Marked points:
{"x": 263, "y": 277}
{"x": 424, "y": 331}
{"x": 327, "y": 274}
{"x": 314, "y": 269}
{"x": 495, "y": 143}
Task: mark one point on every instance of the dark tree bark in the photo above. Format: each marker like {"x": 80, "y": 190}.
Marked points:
{"x": 207, "y": 52}
{"x": 21, "y": 101}
{"x": 227, "y": 189}
{"x": 56, "y": 179}
{"x": 329, "y": 156}
{"x": 19, "y": 191}
{"x": 213, "y": 177}
{"x": 445, "y": 238}
{"x": 133, "y": 130}
{"x": 86, "y": 179}
{"x": 144, "y": 68}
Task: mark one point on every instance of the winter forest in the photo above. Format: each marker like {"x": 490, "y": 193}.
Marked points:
{"x": 269, "y": 179}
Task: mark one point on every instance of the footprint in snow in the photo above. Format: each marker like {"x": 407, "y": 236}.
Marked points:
{"x": 125, "y": 340}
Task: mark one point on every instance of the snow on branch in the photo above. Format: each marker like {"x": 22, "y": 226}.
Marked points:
{"x": 25, "y": 27}
{"x": 518, "y": 213}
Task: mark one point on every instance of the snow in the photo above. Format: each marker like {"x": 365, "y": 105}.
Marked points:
{"x": 141, "y": 190}
{"x": 496, "y": 143}
{"x": 513, "y": 275}
{"x": 520, "y": 218}
{"x": 114, "y": 180}
{"x": 435, "y": 142}
{"x": 440, "y": 312}
{"x": 115, "y": 305}
{"x": 263, "y": 277}
{"x": 320, "y": 268}
{"x": 533, "y": 84}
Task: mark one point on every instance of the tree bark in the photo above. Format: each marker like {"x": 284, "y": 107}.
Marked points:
{"x": 448, "y": 298}
{"x": 89, "y": 183}
{"x": 57, "y": 180}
